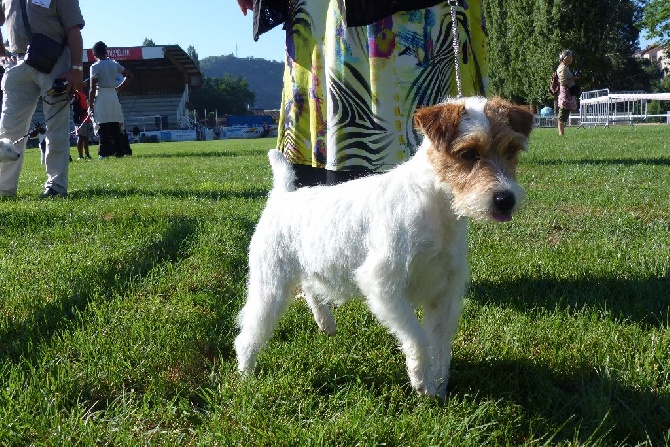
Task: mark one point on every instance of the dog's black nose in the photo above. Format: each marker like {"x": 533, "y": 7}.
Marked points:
{"x": 504, "y": 201}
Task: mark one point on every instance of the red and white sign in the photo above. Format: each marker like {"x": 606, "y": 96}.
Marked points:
{"x": 128, "y": 53}
{"x": 120, "y": 54}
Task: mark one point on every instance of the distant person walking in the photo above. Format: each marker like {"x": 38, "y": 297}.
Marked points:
{"x": 82, "y": 122}
{"x": 567, "y": 101}
{"x": 104, "y": 102}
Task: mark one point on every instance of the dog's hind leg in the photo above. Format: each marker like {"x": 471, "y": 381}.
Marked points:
{"x": 266, "y": 303}
{"x": 323, "y": 314}
{"x": 313, "y": 290}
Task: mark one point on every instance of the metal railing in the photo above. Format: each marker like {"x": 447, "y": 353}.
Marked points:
{"x": 602, "y": 107}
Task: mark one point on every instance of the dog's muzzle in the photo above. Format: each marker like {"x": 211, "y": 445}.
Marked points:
{"x": 503, "y": 205}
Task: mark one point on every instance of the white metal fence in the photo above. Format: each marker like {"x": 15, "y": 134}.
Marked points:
{"x": 604, "y": 108}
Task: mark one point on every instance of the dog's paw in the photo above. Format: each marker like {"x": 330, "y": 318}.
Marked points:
{"x": 425, "y": 389}
{"x": 421, "y": 378}
{"x": 441, "y": 390}
{"x": 244, "y": 372}
{"x": 323, "y": 315}
{"x": 327, "y": 326}
{"x": 245, "y": 368}
{"x": 246, "y": 357}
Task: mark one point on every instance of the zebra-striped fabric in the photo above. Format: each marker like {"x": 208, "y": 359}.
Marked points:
{"x": 350, "y": 93}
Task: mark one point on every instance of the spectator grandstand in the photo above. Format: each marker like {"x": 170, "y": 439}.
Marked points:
{"x": 156, "y": 100}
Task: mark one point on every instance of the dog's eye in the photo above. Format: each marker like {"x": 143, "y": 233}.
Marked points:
{"x": 469, "y": 155}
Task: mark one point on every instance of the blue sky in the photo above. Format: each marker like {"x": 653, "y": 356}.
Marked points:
{"x": 213, "y": 27}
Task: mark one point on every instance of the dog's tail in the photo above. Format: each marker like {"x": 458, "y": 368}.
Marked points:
{"x": 282, "y": 172}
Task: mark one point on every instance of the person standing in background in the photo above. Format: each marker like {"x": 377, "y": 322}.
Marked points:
{"x": 567, "y": 102}
{"x": 357, "y": 70}
{"x": 104, "y": 102}
{"x": 82, "y": 122}
{"x": 48, "y": 24}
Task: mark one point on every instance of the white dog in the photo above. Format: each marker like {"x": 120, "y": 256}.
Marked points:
{"x": 8, "y": 151}
{"x": 398, "y": 240}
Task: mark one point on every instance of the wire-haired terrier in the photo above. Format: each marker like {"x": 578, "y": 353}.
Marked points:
{"x": 397, "y": 240}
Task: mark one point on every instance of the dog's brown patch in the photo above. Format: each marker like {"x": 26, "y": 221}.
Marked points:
{"x": 518, "y": 118}
{"x": 439, "y": 123}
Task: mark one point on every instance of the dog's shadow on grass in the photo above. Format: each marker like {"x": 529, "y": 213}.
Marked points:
{"x": 576, "y": 404}
{"x": 596, "y": 402}
{"x": 581, "y": 404}
{"x": 645, "y": 301}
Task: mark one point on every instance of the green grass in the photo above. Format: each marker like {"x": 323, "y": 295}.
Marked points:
{"x": 117, "y": 308}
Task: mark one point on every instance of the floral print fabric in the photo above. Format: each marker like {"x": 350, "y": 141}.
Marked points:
{"x": 350, "y": 92}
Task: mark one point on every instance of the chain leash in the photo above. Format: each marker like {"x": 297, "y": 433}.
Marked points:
{"x": 32, "y": 133}
{"x": 457, "y": 56}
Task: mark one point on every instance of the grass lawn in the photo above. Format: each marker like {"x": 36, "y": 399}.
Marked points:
{"x": 117, "y": 308}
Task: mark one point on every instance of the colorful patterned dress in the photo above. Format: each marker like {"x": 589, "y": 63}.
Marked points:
{"x": 350, "y": 93}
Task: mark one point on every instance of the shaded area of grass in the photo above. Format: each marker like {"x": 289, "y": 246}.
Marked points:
{"x": 580, "y": 405}
{"x": 113, "y": 275}
{"x": 643, "y": 301}
{"x": 252, "y": 194}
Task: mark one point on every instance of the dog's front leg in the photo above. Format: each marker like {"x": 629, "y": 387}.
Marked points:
{"x": 388, "y": 302}
{"x": 398, "y": 316}
{"x": 441, "y": 321}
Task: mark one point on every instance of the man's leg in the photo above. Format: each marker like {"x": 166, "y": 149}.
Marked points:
{"x": 57, "y": 117}
{"x": 19, "y": 100}
{"x": 58, "y": 143}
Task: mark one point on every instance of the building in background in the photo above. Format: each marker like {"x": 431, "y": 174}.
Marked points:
{"x": 657, "y": 54}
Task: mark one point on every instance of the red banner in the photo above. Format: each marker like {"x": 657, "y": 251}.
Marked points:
{"x": 120, "y": 54}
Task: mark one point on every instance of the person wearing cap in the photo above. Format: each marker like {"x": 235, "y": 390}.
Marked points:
{"x": 23, "y": 84}
{"x": 104, "y": 102}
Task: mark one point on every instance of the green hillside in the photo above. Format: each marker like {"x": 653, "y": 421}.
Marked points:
{"x": 264, "y": 77}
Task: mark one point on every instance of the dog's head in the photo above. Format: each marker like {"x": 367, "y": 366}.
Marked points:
{"x": 473, "y": 146}
{"x": 8, "y": 151}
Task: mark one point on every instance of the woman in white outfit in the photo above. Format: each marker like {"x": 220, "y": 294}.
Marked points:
{"x": 104, "y": 102}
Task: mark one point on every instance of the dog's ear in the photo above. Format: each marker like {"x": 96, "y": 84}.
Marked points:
{"x": 520, "y": 119}
{"x": 439, "y": 123}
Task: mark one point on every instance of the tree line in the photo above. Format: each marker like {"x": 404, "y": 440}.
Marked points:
{"x": 526, "y": 36}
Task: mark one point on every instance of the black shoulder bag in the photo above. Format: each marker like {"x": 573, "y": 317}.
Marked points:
{"x": 43, "y": 52}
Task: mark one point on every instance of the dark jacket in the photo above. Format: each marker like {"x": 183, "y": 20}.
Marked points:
{"x": 270, "y": 13}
